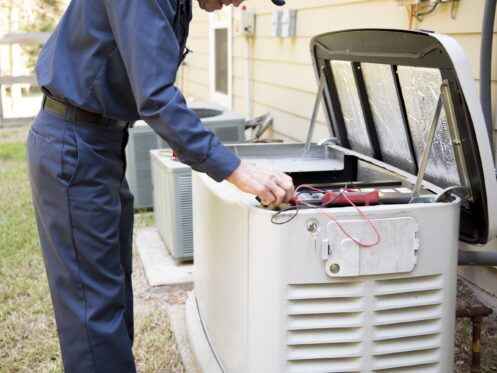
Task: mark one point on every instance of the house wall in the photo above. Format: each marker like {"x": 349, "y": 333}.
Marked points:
{"x": 282, "y": 79}
{"x": 193, "y": 75}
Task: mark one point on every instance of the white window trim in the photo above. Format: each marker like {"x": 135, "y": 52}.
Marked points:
{"x": 214, "y": 23}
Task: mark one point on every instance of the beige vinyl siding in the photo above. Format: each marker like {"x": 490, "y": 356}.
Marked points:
{"x": 283, "y": 81}
{"x": 193, "y": 76}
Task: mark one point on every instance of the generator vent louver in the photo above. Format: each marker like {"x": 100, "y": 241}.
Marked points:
{"x": 324, "y": 330}
{"x": 425, "y": 368}
{"x": 407, "y": 322}
{"x": 328, "y": 330}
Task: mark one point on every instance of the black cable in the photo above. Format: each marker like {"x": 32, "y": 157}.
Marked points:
{"x": 274, "y": 216}
{"x": 297, "y": 207}
{"x": 429, "y": 11}
{"x": 420, "y": 15}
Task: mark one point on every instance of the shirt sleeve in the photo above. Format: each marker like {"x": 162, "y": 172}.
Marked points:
{"x": 144, "y": 31}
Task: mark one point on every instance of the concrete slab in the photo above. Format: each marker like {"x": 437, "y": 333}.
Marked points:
{"x": 178, "y": 327}
{"x": 160, "y": 267}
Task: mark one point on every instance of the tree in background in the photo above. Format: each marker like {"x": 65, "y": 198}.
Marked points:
{"x": 30, "y": 16}
{"x": 41, "y": 15}
{"x": 18, "y": 16}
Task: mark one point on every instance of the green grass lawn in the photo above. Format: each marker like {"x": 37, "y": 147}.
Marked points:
{"x": 28, "y": 339}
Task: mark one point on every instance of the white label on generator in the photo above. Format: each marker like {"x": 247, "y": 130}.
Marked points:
{"x": 395, "y": 253}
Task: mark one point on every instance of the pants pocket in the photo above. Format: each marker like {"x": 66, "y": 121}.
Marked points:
{"x": 40, "y": 136}
{"x": 70, "y": 154}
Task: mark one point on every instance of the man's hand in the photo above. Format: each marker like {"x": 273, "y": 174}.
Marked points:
{"x": 212, "y": 5}
{"x": 270, "y": 184}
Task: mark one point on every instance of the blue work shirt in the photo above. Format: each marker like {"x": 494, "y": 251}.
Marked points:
{"x": 119, "y": 58}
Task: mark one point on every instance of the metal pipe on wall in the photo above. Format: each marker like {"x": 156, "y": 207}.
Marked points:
{"x": 486, "y": 65}
{"x": 485, "y": 258}
{"x": 248, "y": 78}
{"x": 476, "y": 314}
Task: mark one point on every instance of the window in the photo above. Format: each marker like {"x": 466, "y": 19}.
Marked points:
{"x": 220, "y": 57}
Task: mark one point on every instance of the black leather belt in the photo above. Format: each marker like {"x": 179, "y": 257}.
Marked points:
{"x": 71, "y": 112}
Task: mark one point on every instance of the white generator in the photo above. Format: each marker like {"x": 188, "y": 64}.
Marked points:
{"x": 172, "y": 193}
{"x": 228, "y": 127}
{"x": 324, "y": 286}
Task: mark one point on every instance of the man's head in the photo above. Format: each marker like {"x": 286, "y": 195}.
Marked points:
{"x": 212, "y": 5}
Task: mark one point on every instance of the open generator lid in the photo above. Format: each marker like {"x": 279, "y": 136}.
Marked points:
{"x": 384, "y": 90}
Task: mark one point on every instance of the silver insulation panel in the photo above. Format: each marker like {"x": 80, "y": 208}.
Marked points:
{"x": 421, "y": 90}
{"x": 387, "y": 115}
{"x": 350, "y": 104}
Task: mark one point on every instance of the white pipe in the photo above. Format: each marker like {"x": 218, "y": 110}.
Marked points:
{"x": 248, "y": 111}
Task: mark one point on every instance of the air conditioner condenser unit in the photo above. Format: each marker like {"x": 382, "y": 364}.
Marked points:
{"x": 325, "y": 286}
{"x": 172, "y": 190}
{"x": 228, "y": 127}
{"x": 138, "y": 173}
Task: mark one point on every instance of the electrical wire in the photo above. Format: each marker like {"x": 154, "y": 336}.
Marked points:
{"x": 419, "y": 15}
{"x": 431, "y": 10}
{"x": 411, "y": 14}
{"x": 278, "y": 213}
{"x": 453, "y": 11}
{"x": 365, "y": 216}
{"x": 302, "y": 204}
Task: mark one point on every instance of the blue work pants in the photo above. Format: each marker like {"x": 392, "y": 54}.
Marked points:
{"x": 84, "y": 213}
